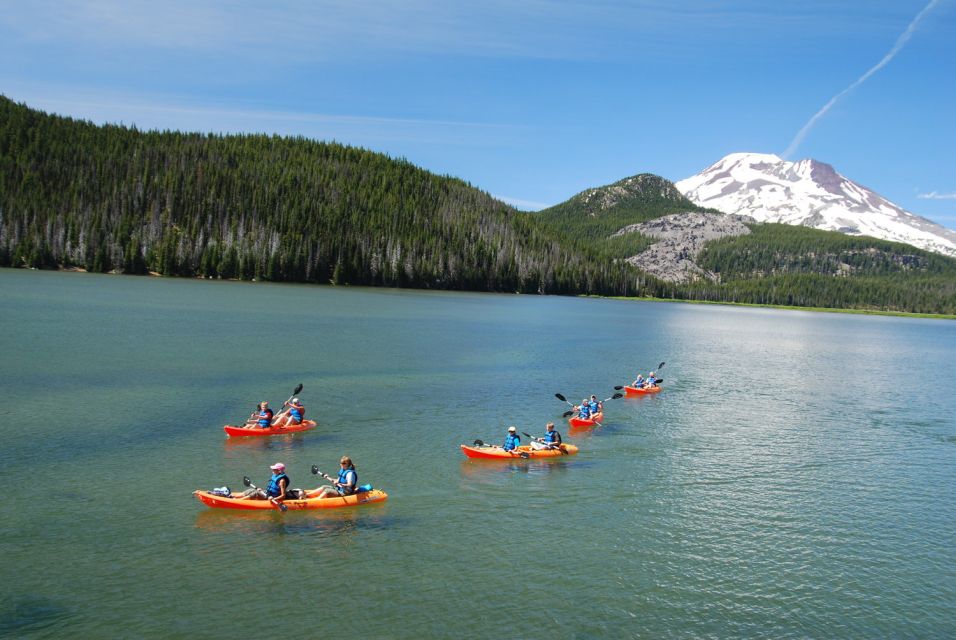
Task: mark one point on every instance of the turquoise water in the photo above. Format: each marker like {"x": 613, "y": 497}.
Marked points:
{"x": 796, "y": 478}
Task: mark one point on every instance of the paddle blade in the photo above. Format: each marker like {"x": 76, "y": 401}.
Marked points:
{"x": 315, "y": 470}
{"x": 282, "y": 507}
{"x": 560, "y": 397}
{"x": 617, "y": 395}
{"x": 246, "y": 481}
{"x": 618, "y": 388}
{"x": 479, "y": 443}
{"x": 297, "y": 389}
{"x": 661, "y": 366}
{"x": 567, "y": 414}
{"x": 660, "y": 380}
{"x": 524, "y": 454}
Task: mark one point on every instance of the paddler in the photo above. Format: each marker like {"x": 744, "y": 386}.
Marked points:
{"x": 651, "y": 381}
{"x": 278, "y": 489}
{"x": 261, "y": 417}
{"x": 594, "y": 405}
{"x": 512, "y": 440}
{"x": 638, "y": 382}
{"x": 551, "y": 439}
{"x": 293, "y": 415}
{"x": 346, "y": 483}
{"x": 584, "y": 410}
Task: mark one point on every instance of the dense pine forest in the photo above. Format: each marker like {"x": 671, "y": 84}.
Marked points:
{"x": 115, "y": 199}
{"x": 112, "y": 198}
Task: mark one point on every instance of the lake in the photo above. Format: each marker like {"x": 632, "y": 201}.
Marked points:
{"x": 796, "y": 477}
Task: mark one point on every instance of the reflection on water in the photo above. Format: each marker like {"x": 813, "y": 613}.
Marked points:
{"x": 28, "y": 613}
{"x": 324, "y": 522}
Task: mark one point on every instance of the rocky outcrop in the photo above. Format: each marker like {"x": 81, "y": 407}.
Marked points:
{"x": 682, "y": 237}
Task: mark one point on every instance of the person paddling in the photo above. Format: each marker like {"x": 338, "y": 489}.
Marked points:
{"x": 584, "y": 410}
{"x": 638, "y": 382}
{"x": 294, "y": 415}
{"x": 551, "y": 439}
{"x": 278, "y": 489}
{"x": 512, "y": 440}
{"x": 595, "y": 405}
{"x": 651, "y": 381}
{"x": 347, "y": 481}
{"x": 261, "y": 417}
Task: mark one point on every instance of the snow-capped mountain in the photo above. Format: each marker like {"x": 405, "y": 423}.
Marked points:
{"x": 812, "y": 194}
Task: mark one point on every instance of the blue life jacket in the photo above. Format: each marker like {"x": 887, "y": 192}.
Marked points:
{"x": 552, "y": 437}
{"x": 296, "y": 414}
{"x": 584, "y": 412}
{"x": 344, "y": 479}
{"x": 593, "y": 406}
{"x": 265, "y": 418}
{"x": 273, "y": 489}
{"x": 511, "y": 442}
{"x": 651, "y": 381}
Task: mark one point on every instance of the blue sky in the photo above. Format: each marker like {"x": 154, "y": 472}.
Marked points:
{"x": 532, "y": 101}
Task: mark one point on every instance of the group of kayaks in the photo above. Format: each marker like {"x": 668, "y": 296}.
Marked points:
{"x": 482, "y": 451}
{"x": 366, "y": 495}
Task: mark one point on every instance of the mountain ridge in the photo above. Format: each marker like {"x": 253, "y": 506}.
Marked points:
{"x": 810, "y": 193}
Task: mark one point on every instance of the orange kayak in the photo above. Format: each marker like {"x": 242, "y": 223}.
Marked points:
{"x": 221, "y": 502}
{"x": 586, "y": 422}
{"x": 497, "y": 453}
{"x": 637, "y": 391}
{"x": 240, "y": 432}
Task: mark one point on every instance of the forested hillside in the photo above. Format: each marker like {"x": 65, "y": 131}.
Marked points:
{"x": 587, "y": 220}
{"x": 112, "y": 198}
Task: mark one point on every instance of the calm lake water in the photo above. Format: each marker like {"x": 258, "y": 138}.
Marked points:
{"x": 796, "y": 478}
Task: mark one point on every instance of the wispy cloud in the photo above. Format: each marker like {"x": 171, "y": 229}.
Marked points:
{"x": 935, "y": 195}
{"x": 185, "y": 114}
{"x": 897, "y": 47}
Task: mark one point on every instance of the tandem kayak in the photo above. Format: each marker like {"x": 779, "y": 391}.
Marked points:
{"x": 497, "y": 453}
{"x": 637, "y": 391}
{"x": 221, "y": 502}
{"x": 586, "y": 422}
{"x": 242, "y": 432}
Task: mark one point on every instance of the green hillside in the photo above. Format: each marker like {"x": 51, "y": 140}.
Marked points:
{"x": 113, "y": 198}
{"x": 586, "y": 220}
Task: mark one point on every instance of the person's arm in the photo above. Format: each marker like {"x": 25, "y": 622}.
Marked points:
{"x": 283, "y": 486}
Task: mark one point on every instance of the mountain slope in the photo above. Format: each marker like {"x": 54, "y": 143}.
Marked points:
{"x": 112, "y": 198}
{"x": 812, "y": 194}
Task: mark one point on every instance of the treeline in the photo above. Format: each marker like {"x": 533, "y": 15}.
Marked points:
{"x": 783, "y": 264}
{"x": 112, "y": 198}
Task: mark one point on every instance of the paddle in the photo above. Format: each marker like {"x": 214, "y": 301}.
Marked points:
{"x": 562, "y": 398}
{"x": 298, "y": 388}
{"x": 521, "y": 454}
{"x": 281, "y": 507}
{"x": 549, "y": 445}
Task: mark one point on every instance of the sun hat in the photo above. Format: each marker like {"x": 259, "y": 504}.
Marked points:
{"x": 511, "y": 429}
{"x": 278, "y": 467}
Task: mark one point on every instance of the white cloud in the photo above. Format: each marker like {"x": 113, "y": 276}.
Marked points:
{"x": 935, "y": 195}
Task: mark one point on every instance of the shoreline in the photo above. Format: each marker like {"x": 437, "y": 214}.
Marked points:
{"x": 865, "y": 312}
{"x": 870, "y": 312}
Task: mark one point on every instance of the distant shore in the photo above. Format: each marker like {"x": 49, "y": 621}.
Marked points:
{"x": 869, "y": 312}
{"x": 866, "y": 312}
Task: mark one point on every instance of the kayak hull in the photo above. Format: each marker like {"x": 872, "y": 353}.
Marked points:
{"x": 497, "y": 453}
{"x": 586, "y": 422}
{"x": 241, "y": 432}
{"x": 335, "y": 502}
{"x": 636, "y": 391}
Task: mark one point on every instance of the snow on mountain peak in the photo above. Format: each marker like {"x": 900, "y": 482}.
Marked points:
{"x": 810, "y": 193}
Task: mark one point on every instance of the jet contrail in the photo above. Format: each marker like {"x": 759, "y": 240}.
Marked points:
{"x": 900, "y": 42}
